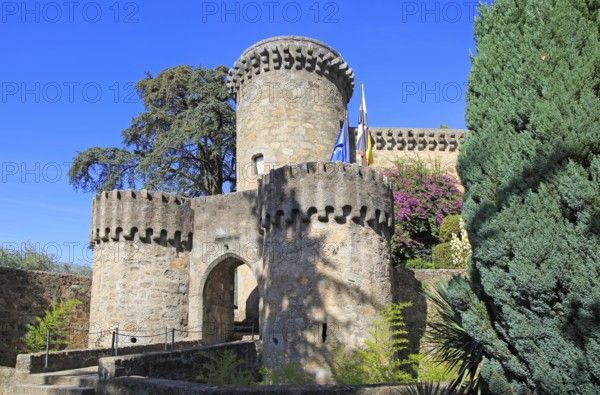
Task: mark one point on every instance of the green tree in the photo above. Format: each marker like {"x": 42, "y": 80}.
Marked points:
{"x": 56, "y": 321}
{"x": 30, "y": 257}
{"x": 184, "y": 143}
{"x": 9, "y": 259}
{"x": 531, "y": 171}
{"x": 27, "y": 258}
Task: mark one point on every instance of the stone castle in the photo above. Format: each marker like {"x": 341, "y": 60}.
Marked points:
{"x": 301, "y": 250}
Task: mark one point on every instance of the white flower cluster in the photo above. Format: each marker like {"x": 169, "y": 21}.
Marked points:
{"x": 460, "y": 247}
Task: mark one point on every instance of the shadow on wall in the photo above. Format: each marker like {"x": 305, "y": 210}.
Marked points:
{"x": 252, "y": 308}
{"x": 327, "y": 270}
{"x": 407, "y": 289}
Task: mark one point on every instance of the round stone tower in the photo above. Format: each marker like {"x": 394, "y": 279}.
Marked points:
{"x": 291, "y": 93}
{"x": 327, "y": 271}
{"x": 142, "y": 242}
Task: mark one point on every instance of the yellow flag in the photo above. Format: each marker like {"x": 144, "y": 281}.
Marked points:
{"x": 369, "y": 149}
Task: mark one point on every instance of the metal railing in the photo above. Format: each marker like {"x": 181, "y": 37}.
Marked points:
{"x": 117, "y": 333}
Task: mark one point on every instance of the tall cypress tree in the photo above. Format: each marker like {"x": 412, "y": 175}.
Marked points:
{"x": 531, "y": 171}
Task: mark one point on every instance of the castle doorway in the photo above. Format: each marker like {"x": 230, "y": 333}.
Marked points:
{"x": 230, "y": 302}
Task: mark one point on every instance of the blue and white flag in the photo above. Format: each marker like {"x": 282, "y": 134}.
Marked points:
{"x": 341, "y": 151}
{"x": 364, "y": 138}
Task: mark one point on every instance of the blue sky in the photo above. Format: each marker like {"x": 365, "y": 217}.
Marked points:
{"x": 68, "y": 69}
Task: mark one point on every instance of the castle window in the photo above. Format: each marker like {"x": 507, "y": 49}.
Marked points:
{"x": 259, "y": 164}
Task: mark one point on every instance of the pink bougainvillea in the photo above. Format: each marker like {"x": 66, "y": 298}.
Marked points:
{"x": 422, "y": 200}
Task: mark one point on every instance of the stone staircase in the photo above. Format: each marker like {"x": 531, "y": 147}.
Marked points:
{"x": 67, "y": 382}
{"x": 64, "y": 374}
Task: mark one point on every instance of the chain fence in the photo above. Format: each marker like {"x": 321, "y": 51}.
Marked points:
{"x": 130, "y": 334}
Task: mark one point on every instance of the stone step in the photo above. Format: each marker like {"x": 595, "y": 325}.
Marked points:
{"x": 71, "y": 381}
{"x": 68, "y": 382}
{"x": 84, "y": 377}
{"x": 33, "y": 389}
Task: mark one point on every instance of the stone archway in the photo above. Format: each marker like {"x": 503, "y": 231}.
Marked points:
{"x": 219, "y": 300}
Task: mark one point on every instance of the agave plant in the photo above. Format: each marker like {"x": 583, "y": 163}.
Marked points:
{"x": 453, "y": 345}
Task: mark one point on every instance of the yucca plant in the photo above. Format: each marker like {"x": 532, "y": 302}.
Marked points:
{"x": 425, "y": 388}
{"x": 452, "y": 344}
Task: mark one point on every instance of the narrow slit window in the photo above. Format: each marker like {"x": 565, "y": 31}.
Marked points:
{"x": 235, "y": 288}
{"x": 259, "y": 164}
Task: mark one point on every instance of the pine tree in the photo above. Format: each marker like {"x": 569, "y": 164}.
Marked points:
{"x": 531, "y": 171}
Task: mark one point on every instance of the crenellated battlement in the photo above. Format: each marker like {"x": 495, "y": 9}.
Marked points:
{"x": 142, "y": 215}
{"x": 328, "y": 189}
{"x": 411, "y": 139}
{"x": 291, "y": 52}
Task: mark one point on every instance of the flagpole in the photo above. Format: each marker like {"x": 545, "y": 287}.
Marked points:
{"x": 364, "y": 130}
{"x": 359, "y": 137}
{"x": 347, "y": 131}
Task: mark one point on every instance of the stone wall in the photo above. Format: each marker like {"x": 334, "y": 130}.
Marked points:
{"x": 162, "y": 372}
{"x": 74, "y": 359}
{"x": 25, "y": 295}
{"x": 184, "y": 364}
{"x": 437, "y": 148}
{"x": 150, "y": 386}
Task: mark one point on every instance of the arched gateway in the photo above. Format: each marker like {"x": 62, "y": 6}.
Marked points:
{"x": 221, "y": 299}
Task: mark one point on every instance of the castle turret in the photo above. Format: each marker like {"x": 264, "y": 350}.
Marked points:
{"x": 141, "y": 244}
{"x": 327, "y": 271}
{"x": 291, "y": 93}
